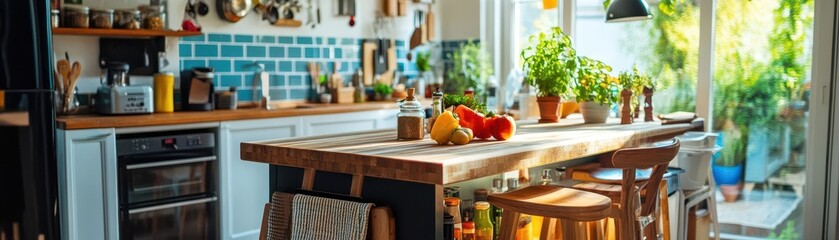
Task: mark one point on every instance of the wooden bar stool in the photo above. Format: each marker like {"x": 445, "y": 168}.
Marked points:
{"x": 628, "y": 191}
{"x": 572, "y": 207}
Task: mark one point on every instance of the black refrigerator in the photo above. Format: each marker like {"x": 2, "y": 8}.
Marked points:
{"x": 28, "y": 185}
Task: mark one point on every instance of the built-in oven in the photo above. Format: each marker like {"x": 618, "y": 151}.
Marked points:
{"x": 167, "y": 185}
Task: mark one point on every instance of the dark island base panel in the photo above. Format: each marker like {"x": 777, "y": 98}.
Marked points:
{"x": 417, "y": 207}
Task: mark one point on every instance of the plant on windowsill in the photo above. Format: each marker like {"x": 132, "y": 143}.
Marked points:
{"x": 594, "y": 89}
{"x": 551, "y": 63}
{"x": 472, "y": 67}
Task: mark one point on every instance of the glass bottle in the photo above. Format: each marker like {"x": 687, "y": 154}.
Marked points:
{"x": 495, "y": 212}
{"x": 469, "y": 230}
{"x": 448, "y": 227}
{"x": 410, "y": 119}
{"x": 483, "y": 225}
{"x": 453, "y": 208}
{"x": 436, "y": 108}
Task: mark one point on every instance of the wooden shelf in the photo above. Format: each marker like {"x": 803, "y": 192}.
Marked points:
{"x": 121, "y": 32}
{"x": 288, "y": 23}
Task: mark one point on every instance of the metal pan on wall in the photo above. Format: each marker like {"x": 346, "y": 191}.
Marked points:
{"x": 233, "y": 10}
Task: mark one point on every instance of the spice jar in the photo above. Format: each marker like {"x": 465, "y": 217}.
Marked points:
{"x": 55, "y": 19}
{"x": 154, "y": 17}
{"x": 411, "y": 118}
{"x": 102, "y": 18}
{"x": 76, "y": 16}
{"x": 127, "y": 19}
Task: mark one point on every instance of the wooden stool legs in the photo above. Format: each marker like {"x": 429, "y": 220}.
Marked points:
{"x": 509, "y": 220}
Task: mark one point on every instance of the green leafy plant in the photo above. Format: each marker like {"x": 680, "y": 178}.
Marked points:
{"x": 382, "y": 89}
{"x": 734, "y": 151}
{"x": 454, "y": 100}
{"x": 551, "y": 62}
{"x": 788, "y": 233}
{"x": 423, "y": 61}
{"x": 472, "y": 66}
{"x": 593, "y": 83}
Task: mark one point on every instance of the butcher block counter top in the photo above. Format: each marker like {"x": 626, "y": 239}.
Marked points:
{"x": 281, "y": 110}
{"x": 379, "y": 154}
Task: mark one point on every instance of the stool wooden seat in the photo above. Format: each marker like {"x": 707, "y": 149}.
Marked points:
{"x": 569, "y": 205}
{"x": 624, "y": 192}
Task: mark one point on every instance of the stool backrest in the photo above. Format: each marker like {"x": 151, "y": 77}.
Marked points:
{"x": 656, "y": 157}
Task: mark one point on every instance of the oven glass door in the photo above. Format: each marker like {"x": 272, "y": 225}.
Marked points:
{"x": 192, "y": 219}
{"x": 166, "y": 177}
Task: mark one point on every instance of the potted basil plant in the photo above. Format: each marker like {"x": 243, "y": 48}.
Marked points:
{"x": 550, "y": 62}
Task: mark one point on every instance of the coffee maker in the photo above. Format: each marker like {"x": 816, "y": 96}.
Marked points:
{"x": 117, "y": 96}
{"x": 197, "y": 90}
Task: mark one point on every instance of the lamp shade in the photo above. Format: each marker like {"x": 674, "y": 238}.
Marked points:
{"x": 628, "y": 10}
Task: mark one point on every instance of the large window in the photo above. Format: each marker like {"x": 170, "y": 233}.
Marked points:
{"x": 529, "y": 18}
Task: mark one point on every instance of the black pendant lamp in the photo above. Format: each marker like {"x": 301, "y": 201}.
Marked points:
{"x": 628, "y": 10}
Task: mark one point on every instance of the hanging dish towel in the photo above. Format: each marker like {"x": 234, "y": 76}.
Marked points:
{"x": 316, "y": 218}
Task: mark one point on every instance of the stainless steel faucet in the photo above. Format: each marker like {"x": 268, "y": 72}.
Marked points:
{"x": 260, "y": 78}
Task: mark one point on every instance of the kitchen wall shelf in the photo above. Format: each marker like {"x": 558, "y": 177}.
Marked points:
{"x": 122, "y": 32}
{"x": 288, "y": 23}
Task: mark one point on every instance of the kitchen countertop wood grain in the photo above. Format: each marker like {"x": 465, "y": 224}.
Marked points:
{"x": 99, "y": 121}
{"x": 379, "y": 154}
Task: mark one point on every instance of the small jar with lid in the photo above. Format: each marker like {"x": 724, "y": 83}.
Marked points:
{"x": 411, "y": 119}
{"x": 154, "y": 16}
{"x": 76, "y": 16}
{"x": 55, "y": 18}
{"x": 102, "y": 18}
{"x": 127, "y": 19}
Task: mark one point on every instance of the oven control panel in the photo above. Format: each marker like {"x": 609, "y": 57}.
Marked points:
{"x": 169, "y": 143}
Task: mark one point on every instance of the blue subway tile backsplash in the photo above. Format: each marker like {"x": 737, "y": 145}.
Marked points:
{"x": 234, "y": 58}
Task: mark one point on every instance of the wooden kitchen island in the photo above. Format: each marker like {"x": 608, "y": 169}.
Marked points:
{"x": 409, "y": 175}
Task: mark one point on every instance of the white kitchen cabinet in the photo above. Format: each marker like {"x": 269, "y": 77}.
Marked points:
{"x": 88, "y": 184}
{"x": 315, "y": 125}
{"x": 245, "y": 185}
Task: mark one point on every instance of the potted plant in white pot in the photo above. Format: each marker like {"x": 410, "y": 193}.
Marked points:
{"x": 551, "y": 62}
{"x": 595, "y": 90}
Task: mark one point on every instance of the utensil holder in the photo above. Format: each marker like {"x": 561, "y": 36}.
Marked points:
{"x": 66, "y": 108}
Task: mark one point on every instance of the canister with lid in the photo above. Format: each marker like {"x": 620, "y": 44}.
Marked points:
{"x": 127, "y": 19}
{"x": 154, "y": 16}
{"x": 76, "y": 16}
{"x": 102, "y": 18}
{"x": 55, "y": 18}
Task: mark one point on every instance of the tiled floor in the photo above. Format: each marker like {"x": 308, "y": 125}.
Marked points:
{"x": 760, "y": 213}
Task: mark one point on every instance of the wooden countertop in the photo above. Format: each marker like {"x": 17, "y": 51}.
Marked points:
{"x": 101, "y": 121}
{"x": 379, "y": 154}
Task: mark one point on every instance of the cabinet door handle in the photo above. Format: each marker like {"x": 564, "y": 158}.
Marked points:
{"x": 172, "y": 205}
{"x": 170, "y": 162}
{"x": 97, "y": 137}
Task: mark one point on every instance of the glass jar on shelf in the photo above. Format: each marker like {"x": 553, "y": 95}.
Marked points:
{"x": 102, "y": 18}
{"x": 154, "y": 17}
{"x": 76, "y": 16}
{"x": 127, "y": 19}
{"x": 55, "y": 19}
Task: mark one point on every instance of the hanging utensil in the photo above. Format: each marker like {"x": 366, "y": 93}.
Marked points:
{"x": 233, "y": 10}
{"x": 416, "y": 37}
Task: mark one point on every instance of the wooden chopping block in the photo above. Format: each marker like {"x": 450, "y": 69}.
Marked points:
{"x": 382, "y": 224}
{"x": 369, "y": 52}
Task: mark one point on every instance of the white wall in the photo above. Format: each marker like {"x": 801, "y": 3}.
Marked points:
{"x": 85, "y": 49}
{"x": 460, "y": 19}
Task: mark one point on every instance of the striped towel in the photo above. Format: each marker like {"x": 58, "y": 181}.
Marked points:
{"x": 317, "y": 218}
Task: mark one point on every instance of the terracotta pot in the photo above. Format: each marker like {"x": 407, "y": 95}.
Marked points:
{"x": 594, "y": 112}
{"x": 730, "y": 192}
{"x": 548, "y": 107}
{"x": 567, "y": 108}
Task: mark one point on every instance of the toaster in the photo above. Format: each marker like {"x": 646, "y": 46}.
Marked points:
{"x": 132, "y": 99}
